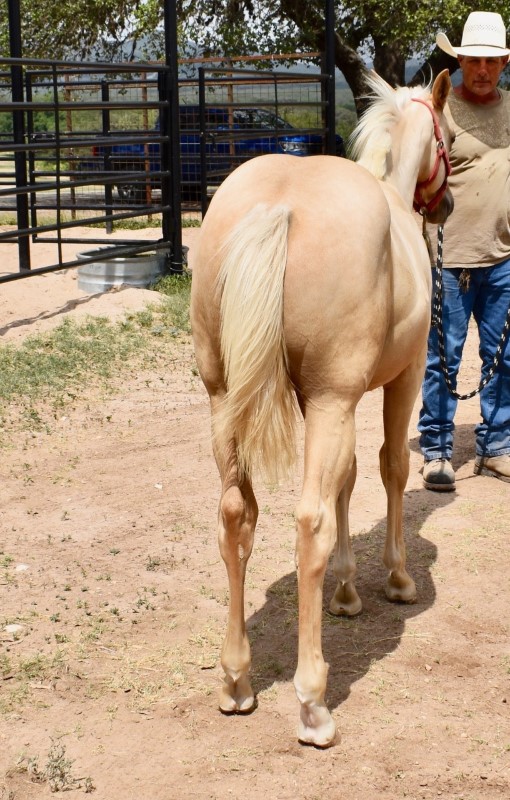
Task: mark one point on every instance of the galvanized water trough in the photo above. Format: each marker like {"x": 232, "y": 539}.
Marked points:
{"x": 100, "y": 274}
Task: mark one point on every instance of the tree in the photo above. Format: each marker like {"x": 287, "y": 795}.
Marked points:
{"x": 79, "y": 29}
{"x": 388, "y": 34}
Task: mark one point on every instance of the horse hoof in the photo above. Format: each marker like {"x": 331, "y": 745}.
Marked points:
{"x": 316, "y": 727}
{"x": 236, "y": 697}
{"x": 401, "y": 588}
{"x": 346, "y": 601}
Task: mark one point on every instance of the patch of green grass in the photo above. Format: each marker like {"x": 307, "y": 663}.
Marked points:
{"x": 132, "y": 224}
{"x": 59, "y": 361}
{"x": 153, "y": 562}
{"x": 40, "y": 666}
{"x": 5, "y": 664}
{"x": 178, "y": 285}
{"x": 57, "y": 771}
{"x": 50, "y": 369}
{"x": 23, "y": 673}
{"x": 175, "y": 310}
{"x": 139, "y": 223}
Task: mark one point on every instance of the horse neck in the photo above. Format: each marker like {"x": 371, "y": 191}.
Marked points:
{"x": 410, "y": 155}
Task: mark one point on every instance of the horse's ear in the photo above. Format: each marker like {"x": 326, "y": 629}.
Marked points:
{"x": 441, "y": 89}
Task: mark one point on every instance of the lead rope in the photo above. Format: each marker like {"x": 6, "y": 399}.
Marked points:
{"x": 437, "y": 322}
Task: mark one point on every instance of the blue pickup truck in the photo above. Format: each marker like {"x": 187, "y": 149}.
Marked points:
{"x": 231, "y": 137}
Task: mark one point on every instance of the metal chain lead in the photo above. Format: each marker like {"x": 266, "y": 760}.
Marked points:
{"x": 437, "y": 322}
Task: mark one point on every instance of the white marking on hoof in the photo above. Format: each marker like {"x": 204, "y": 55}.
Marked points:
{"x": 316, "y": 726}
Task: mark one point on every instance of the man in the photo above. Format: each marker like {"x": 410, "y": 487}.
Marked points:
{"x": 476, "y": 278}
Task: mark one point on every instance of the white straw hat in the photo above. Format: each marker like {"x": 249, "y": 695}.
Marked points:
{"x": 484, "y": 35}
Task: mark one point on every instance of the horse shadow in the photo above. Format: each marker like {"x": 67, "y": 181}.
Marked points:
{"x": 350, "y": 645}
{"x": 70, "y": 305}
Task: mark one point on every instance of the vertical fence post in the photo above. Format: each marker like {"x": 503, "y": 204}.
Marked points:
{"x": 20, "y": 157}
{"x": 69, "y": 130}
{"x": 203, "y": 140}
{"x": 58, "y": 159}
{"x": 146, "y": 146}
{"x": 107, "y": 166}
{"x": 29, "y": 130}
{"x": 330, "y": 81}
{"x": 172, "y": 224}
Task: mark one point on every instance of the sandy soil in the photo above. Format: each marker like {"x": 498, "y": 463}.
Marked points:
{"x": 114, "y": 606}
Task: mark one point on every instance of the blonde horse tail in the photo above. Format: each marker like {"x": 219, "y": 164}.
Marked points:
{"x": 259, "y": 408}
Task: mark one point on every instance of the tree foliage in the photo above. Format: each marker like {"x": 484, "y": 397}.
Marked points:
{"x": 102, "y": 29}
{"x": 387, "y": 34}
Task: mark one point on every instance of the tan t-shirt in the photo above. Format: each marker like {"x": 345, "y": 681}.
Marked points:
{"x": 477, "y": 234}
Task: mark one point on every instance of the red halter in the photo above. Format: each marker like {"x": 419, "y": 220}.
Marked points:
{"x": 419, "y": 203}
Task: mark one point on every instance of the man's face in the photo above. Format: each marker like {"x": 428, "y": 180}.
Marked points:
{"x": 481, "y": 75}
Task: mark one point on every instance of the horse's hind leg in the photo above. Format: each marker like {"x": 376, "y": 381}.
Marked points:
{"x": 237, "y": 517}
{"x": 329, "y": 453}
{"x": 399, "y": 398}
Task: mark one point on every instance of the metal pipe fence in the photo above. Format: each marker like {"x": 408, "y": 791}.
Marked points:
{"x": 48, "y": 129}
{"x": 89, "y": 144}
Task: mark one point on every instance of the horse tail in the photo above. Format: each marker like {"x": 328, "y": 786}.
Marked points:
{"x": 259, "y": 408}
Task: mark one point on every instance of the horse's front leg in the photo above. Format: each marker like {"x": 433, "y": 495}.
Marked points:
{"x": 329, "y": 453}
{"x": 399, "y": 398}
{"x": 237, "y": 518}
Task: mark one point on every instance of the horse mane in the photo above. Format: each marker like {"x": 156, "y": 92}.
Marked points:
{"x": 370, "y": 141}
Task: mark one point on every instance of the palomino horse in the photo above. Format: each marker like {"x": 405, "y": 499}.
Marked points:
{"x": 311, "y": 285}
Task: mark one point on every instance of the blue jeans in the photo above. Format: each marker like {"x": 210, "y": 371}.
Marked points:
{"x": 488, "y": 299}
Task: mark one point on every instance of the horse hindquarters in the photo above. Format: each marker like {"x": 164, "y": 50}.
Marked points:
{"x": 252, "y": 402}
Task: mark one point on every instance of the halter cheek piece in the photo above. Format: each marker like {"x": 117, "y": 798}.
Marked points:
{"x": 419, "y": 203}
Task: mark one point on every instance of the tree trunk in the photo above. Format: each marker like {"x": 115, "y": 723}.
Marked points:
{"x": 389, "y": 62}
{"x": 354, "y": 71}
{"x": 438, "y": 61}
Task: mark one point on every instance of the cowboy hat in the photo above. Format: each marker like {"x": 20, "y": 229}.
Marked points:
{"x": 484, "y": 35}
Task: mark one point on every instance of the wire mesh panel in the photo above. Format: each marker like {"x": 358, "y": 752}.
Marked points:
{"x": 79, "y": 129}
{"x": 232, "y": 115}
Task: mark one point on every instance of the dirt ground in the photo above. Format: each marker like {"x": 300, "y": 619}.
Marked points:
{"x": 113, "y": 607}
